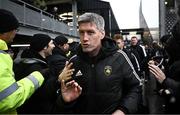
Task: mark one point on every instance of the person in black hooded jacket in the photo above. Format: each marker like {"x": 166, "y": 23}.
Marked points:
{"x": 120, "y": 42}
{"x": 34, "y": 58}
{"x": 106, "y": 80}
{"x": 58, "y": 58}
{"x": 170, "y": 80}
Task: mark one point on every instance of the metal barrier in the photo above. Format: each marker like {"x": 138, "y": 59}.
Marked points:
{"x": 29, "y": 15}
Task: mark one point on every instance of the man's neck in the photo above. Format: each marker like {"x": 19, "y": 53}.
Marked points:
{"x": 95, "y": 52}
{"x": 42, "y": 54}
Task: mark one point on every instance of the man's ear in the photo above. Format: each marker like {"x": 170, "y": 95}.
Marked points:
{"x": 103, "y": 34}
{"x": 45, "y": 48}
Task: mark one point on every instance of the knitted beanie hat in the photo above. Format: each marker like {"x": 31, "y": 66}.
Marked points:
{"x": 8, "y": 21}
{"x": 60, "y": 40}
{"x": 39, "y": 41}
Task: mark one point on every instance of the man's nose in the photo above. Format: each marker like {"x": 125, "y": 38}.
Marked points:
{"x": 85, "y": 37}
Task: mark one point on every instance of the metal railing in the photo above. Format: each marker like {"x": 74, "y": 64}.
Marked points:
{"x": 29, "y": 15}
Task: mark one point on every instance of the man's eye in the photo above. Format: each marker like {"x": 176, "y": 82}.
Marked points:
{"x": 81, "y": 32}
{"x": 90, "y": 33}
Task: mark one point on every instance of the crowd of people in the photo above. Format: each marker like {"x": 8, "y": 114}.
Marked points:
{"x": 100, "y": 76}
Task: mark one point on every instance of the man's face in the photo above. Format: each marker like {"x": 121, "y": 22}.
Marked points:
{"x": 134, "y": 41}
{"x": 50, "y": 47}
{"x": 66, "y": 48}
{"x": 120, "y": 43}
{"x": 9, "y": 36}
{"x": 90, "y": 38}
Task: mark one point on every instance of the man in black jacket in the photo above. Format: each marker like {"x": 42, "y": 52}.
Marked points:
{"x": 120, "y": 42}
{"x": 58, "y": 58}
{"x": 140, "y": 53}
{"x": 32, "y": 59}
{"x": 170, "y": 80}
{"x": 106, "y": 81}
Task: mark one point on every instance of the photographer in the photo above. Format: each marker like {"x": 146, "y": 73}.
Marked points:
{"x": 170, "y": 80}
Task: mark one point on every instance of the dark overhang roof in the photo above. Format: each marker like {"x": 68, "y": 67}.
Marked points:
{"x": 101, "y": 7}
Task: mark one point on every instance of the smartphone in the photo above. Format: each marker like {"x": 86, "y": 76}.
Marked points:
{"x": 158, "y": 60}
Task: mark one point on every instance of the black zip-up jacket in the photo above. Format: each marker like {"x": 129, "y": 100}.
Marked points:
{"x": 57, "y": 61}
{"x": 42, "y": 101}
{"x": 137, "y": 50}
{"x": 172, "y": 83}
{"x": 108, "y": 82}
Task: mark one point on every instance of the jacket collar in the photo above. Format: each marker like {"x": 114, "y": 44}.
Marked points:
{"x": 3, "y": 45}
{"x": 58, "y": 50}
{"x": 29, "y": 53}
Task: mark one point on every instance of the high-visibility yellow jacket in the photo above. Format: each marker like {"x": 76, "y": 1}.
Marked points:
{"x": 14, "y": 93}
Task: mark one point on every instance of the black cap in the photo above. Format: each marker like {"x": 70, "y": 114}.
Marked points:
{"x": 60, "y": 40}
{"x": 39, "y": 41}
{"x": 8, "y": 21}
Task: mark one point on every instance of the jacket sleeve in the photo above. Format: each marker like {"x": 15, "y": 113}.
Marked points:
{"x": 172, "y": 82}
{"x": 13, "y": 94}
{"x": 132, "y": 93}
{"x": 173, "y": 85}
{"x": 62, "y": 107}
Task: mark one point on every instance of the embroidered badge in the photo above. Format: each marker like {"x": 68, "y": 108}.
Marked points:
{"x": 107, "y": 70}
{"x": 79, "y": 73}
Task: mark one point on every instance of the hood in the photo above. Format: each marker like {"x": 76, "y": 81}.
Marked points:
{"x": 28, "y": 53}
{"x": 57, "y": 50}
{"x": 109, "y": 47}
